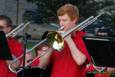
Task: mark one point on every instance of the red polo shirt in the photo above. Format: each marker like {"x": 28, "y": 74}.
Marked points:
{"x": 63, "y": 64}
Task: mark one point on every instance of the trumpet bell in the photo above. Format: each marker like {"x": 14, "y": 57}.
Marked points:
{"x": 55, "y": 40}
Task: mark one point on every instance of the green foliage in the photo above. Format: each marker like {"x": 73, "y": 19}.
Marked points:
{"x": 87, "y": 8}
{"x": 113, "y": 21}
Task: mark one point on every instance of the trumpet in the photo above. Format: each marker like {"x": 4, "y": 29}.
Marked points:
{"x": 55, "y": 40}
{"x": 19, "y": 28}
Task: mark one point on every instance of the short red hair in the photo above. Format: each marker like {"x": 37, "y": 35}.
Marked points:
{"x": 69, "y": 9}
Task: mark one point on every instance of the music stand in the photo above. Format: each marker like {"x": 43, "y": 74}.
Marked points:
{"x": 101, "y": 49}
{"x": 4, "y": 48}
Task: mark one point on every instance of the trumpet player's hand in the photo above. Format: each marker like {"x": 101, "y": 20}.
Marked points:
{"x": 44, "y": 50}
{"x": 13, "y": 66}
{"x": 16, "y": 64}
{"x": 44, "y": 55}
{"x": 28, "y": 58}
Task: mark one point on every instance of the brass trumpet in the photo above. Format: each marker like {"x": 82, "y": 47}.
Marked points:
{"x": 55, "y": 40}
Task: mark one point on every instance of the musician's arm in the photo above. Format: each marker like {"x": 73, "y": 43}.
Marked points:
{"x": 44, "y": 60}
{"x": 77, "y": 55}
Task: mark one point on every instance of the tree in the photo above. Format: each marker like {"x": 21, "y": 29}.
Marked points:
{"x": 87, "y": 8}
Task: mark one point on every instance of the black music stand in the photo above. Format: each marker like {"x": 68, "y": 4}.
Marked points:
{"x": 101, "y": 49}
{"x": 4, "y": 48}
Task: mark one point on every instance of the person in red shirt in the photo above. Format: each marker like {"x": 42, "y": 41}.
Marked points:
{"x": 72, "y": 59}
{"x": 16, "y": 47}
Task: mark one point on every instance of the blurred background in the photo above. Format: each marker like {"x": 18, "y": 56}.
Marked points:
{"x": 42, "y": 14}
